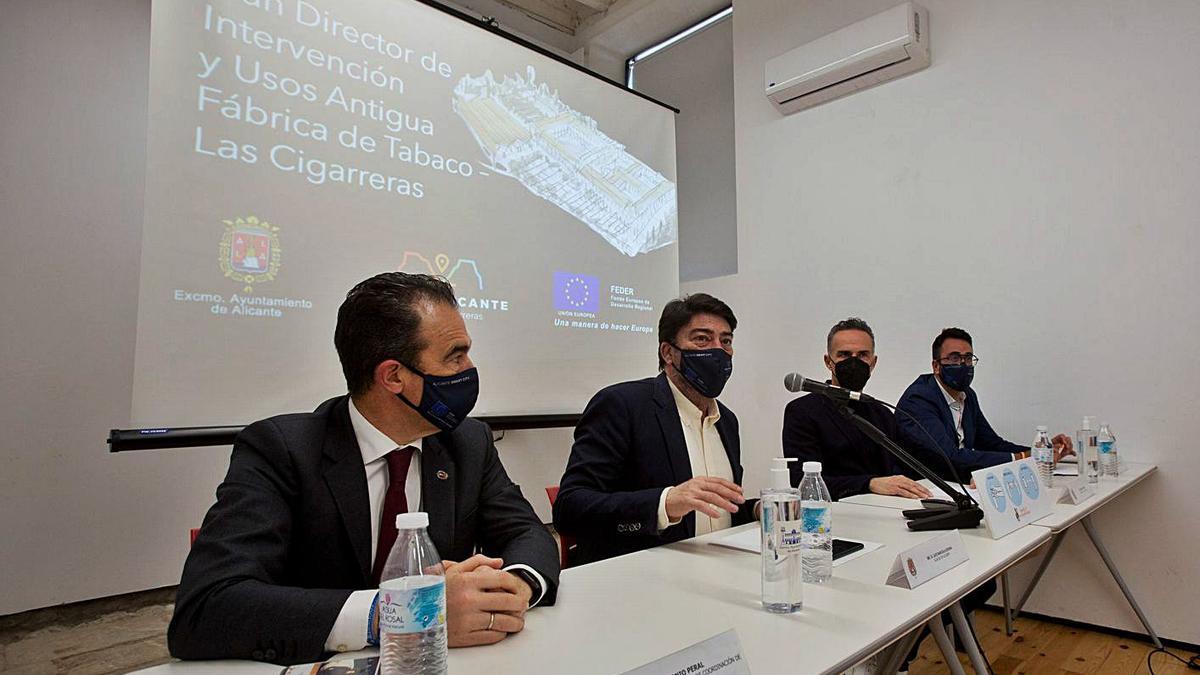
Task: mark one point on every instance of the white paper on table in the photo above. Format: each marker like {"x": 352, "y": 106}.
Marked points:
{"x": 750, "y": 540}
{"x": 939, "y": 493}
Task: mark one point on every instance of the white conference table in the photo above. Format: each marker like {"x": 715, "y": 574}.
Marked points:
{"x": 1061, "y": 519}
{"x": 624, "y": 612}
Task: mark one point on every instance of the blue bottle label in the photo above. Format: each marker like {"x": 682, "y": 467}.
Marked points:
{"x": 815, "y": 519}
{"x": 412, "y": 610}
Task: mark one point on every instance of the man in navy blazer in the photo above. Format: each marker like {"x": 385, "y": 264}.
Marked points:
{"x": 940, "y": 413}
{"x": 658, "y": 460}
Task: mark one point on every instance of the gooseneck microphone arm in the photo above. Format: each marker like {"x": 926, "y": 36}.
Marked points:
{"x": 965, "y": 513}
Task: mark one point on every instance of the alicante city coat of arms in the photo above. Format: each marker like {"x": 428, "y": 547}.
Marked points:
{"x": 249, "y": 251}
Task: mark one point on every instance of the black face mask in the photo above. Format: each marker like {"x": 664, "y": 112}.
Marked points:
{"x": 707, "y": 370}
{"x": 852, "y": 373}
{"x": 446, "y": 400}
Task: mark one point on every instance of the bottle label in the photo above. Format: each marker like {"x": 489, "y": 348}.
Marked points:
{"x": 815, "y": 519}
{"x": 412, "y": 610}
{"x": 1105, "y": 447}
{"x": 788, "y": 537}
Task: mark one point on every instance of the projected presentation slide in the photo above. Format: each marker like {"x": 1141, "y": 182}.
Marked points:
{"x": 296, "y": 147}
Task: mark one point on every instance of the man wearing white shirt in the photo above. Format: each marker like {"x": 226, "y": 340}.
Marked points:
{"x": 658, "y": 460}
{"x": 288, "y": 562}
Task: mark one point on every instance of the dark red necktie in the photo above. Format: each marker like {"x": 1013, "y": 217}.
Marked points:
{"x": 395, "y": 502}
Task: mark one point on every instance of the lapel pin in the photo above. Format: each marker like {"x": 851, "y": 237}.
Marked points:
{"x": 442, "y": 475}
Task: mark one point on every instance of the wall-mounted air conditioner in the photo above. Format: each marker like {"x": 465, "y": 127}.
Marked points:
{"x": 880, "y": 48}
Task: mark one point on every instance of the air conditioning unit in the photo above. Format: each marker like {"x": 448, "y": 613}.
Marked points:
{"x": 880, "y": 48}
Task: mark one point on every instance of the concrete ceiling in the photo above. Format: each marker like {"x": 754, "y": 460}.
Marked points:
{"x": 621, "y": 26}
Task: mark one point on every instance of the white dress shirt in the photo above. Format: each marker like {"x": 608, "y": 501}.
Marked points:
{"x": 349, "y": 631}
{"x": 956, "y": 410}
{"x": 707, "y": 456}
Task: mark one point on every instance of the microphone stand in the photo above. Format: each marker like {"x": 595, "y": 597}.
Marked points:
{"x": 964, "y": 513}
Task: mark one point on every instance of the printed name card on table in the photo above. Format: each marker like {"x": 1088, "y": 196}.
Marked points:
{"x": 1012, "y": 495}
{"x": 1077, "y": 492}
{"x": 927, "y": 560}
{"x": 718, "y": 655}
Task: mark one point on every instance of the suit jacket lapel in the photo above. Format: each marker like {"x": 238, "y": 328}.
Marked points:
{"x": 438, "y": 477}
{"x": 347, "y": 481}
{"x": 944, "y": 408}
{"x": 672, "y": 431}
{"x": 968, "y": 420}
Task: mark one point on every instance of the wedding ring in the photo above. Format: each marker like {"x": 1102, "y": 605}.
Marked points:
{"x": 491, "y": 620}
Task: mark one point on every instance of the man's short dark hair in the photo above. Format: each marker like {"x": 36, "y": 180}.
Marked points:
{"x": 680, "y": 311}
{"x": 853, "y": 323}
{"x": 949, "y": 334}
{"x": 378, "y": 321}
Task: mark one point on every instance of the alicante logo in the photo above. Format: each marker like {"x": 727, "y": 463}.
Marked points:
{"x": 249, "y": 251}
{"x": 416, "y": 263}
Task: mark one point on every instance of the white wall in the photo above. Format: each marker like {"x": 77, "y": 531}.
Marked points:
{"x": 1036, "y": 185}
{"x": 696, "y": 76}
{"x": 76, "y": 521}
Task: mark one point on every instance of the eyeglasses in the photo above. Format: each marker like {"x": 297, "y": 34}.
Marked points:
{"x": 956, "y": 359}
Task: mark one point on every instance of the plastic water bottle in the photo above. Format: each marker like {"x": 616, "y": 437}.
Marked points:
{"x": 817, "y": 520}
{"x": 782, "y": 587}
{"x": 1107, "y": 445}
{"x": 1089, "y": 451}
{"x": 412, "y": 603}
{"x": 1043, "y": 455}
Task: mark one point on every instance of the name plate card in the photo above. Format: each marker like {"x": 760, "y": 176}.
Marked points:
{"x": 927, "y": 560}
{"x": 718, "y": 654}
{"x": 1012, "y": 495}
{"x": 1077, "y": 492}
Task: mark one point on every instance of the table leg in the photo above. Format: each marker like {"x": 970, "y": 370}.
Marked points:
{"x": 1112, "y": 569}
{"x": 1008, "y": 616}
{"x": 968, "y": 639}
{"x": 1056, "y": 540}
{"x": 943, "y": 641}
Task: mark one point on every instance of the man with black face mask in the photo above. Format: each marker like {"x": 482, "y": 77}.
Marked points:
{"x": 287, "y": 565}
{"x": 658, "y": 460}
{"x": 814, "y": 429}
{"x": 944, "y": 418}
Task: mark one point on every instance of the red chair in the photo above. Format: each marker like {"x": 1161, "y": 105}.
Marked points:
{"x": 565, "y": 543}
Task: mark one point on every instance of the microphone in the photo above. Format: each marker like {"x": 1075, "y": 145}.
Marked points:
{"x": 795, "y": 382}
{"x": 963, "y": 512}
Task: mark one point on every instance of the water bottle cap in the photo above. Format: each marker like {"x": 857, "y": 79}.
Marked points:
{"x": 812, "y": 467}
{"x": 1043, "y": 428}
{"x": 412, "y": 521}
{"x": 1087, "y": 423}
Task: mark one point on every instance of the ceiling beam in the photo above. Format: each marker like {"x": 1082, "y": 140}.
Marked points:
{"x": 598, "y": 5}
{"x": 553, "y": 13}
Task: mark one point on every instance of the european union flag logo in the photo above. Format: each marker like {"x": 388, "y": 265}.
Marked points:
{"x": 576, "y": 292}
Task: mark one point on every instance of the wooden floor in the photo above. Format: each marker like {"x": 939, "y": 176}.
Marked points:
{"x": 123, "y": 634}
{"x": 1043, "y": 648}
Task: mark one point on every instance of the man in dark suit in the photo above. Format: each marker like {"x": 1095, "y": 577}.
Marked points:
{"x": 814, "y": 430}
{"x": 658, "y": 460}
{"x": 288, "y": 562}
{"x": 944, "y": 418}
